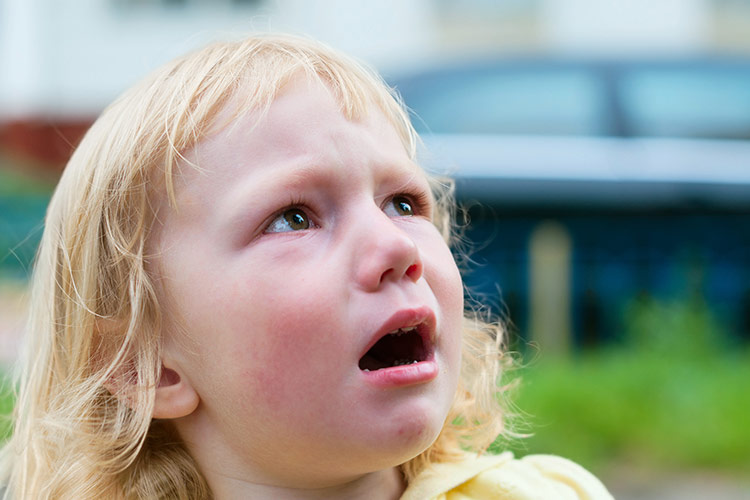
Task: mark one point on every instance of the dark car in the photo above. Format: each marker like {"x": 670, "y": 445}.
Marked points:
{"x": 660, "y": 132}
{"x": 645, "y": 165}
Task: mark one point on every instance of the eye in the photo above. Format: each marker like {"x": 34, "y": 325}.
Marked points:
{"x": 399, "y": 206}
{"x": 292, "y": 219}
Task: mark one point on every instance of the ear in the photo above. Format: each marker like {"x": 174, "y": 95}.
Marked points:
{"x": 175, "y": 396}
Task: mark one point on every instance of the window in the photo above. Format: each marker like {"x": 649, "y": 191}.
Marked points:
{"x": 691, "y": 102}
{"x": 522, "y": 101}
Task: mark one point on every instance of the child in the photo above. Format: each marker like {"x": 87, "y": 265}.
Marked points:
{"x": 244, "y": 291}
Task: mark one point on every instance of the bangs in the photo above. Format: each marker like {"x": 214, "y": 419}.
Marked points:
{"x": 253, "y": 72}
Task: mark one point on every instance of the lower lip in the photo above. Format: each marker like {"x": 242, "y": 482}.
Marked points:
{"x": 403, "y": 376}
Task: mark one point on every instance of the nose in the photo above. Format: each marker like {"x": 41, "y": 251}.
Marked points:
{"x": 385, "y": 252}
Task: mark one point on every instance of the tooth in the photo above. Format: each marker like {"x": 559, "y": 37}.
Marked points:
{"x": 401, "y": 331}
{"x": 366, "y": 370}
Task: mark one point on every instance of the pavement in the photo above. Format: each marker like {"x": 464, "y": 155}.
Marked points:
{"x": 626, "y": 483}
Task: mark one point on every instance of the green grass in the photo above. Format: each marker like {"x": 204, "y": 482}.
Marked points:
{"x": 611, "y": 407}
{"x": 7, "y": 401}
{"x": 674, "y": 395}
{"x": 14, "y": 183}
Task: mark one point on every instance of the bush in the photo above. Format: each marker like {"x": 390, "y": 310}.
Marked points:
{"x": 673, "y": 395}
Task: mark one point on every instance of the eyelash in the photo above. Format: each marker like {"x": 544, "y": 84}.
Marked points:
{"x": 294, "y": 204}
{"x": 419, "y": 200}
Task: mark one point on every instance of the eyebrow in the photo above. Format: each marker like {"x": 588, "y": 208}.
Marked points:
{"x": 298, "y": 174}
{"x": 242, "y": 197}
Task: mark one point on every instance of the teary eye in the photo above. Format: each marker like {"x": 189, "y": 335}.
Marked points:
{"x": 399, "y": 206}
{"x": 292, "y": 219}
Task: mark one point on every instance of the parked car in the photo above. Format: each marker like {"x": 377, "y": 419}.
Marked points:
{"x": 617, "y": 133}
{"x": 645, "y": 164}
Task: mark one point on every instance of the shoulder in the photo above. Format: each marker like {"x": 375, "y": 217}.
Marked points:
{"x": 535, "y": 477}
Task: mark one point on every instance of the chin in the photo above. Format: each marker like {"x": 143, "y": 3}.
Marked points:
{"x": 391, "y": 443}
{"x": 416, "y": 432}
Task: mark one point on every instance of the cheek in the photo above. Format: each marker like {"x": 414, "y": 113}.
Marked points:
{"x": 445, "y": 280}
{"x": 282, "y": 351}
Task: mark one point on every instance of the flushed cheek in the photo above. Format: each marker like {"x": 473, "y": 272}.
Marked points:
{"x": 445, "y": 281}
{"x": 289, "y": 351}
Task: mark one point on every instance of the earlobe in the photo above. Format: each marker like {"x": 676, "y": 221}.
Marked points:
{"x": 175, "y": 396}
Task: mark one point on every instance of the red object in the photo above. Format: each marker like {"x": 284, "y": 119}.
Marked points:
{"x": 46, "y": 141}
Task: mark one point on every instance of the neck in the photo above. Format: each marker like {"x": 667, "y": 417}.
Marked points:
{"x": 386, "y": 484}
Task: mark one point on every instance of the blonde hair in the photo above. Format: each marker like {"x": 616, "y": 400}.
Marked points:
{"x": 95, "y": 317}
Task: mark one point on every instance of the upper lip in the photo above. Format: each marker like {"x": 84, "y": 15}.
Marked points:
{"x": 423, "y": 317}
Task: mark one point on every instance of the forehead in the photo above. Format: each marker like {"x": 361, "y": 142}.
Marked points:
{"x": 304, "y": 115}
{"x": 306, "y": 102}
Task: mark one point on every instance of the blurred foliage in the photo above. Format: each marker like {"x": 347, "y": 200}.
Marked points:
{"x": 673, "y": 395}
{"x": 7, "y": 401}
{"x": 14, "y": 184}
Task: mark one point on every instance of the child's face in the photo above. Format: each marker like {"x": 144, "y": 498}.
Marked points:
{"x": 293, "y": 251}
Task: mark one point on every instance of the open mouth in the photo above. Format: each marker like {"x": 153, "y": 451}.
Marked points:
{"x": 404, "y": 346}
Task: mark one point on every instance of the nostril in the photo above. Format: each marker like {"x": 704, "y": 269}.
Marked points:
{"x": 385, "y": 274}
{"x": 391, "y": 255}
{"x": 414, "y": 272}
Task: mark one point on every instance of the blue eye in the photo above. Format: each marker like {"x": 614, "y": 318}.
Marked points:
{"x": 293, "y": 219}
{"x": 399, "y": 206}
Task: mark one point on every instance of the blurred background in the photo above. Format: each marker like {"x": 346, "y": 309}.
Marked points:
{"x": 601, "y": 149}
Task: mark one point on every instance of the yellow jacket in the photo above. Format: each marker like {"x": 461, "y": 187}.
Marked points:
{"x": 501, "y": 477}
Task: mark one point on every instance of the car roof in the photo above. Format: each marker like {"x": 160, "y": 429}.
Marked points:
{"x": 607, "y": 160}
{"x": 683, "y": 97}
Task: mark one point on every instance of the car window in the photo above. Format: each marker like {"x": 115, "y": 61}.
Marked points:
{"x": 688, "y": 102}
{"x": 520, "y": 101}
